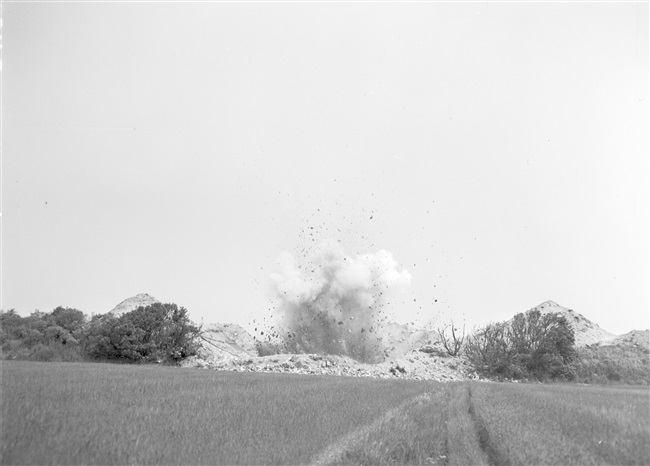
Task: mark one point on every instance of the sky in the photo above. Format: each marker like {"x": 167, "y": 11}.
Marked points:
{"x": 498, "y": 151}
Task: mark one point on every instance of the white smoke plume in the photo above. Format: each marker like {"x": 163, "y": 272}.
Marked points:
{"x": 334, "y": 303}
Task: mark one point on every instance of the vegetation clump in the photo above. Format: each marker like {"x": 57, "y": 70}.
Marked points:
{"x": 155, "y": 333}
{"x": 530, "y": 346}
{"x": 624, "y": 364}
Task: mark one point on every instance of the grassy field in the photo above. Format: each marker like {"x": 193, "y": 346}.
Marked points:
{"x": 74, "y": 413}
{"x": 546, "y": 424}
{"x": 69, "y": 413}
{"x": 477, "y": 423}
{"x": 435, "y": 430}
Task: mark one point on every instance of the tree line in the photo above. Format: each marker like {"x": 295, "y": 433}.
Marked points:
{"x": 155, "y": 333}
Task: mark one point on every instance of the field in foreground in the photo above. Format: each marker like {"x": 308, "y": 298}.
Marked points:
{"x": 66, "y": 413}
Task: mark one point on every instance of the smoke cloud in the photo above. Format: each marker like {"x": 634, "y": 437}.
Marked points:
{"x": 335, "y": 304}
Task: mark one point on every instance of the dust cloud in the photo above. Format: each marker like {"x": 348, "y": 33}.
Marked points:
{"x": 333, "y": 303}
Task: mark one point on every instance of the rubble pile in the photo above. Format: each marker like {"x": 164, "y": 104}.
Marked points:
{"x": 415, "y": 365}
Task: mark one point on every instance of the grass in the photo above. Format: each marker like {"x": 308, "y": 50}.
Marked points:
{"x": 434, "y": 430}
{"x": 83, "y": 413}
{"x": 562, "y": 424}
{"x": 617, "y": 364}
{"x": 413, "y": 435}
{"x": 472, "y": 423}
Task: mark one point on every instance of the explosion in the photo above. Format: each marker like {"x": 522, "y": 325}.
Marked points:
{"x": 334, "y": 303}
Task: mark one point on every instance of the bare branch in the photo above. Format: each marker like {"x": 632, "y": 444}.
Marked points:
{"x": 452, "y": 345}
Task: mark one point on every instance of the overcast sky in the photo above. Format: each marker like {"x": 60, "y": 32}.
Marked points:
{"x": 499, "y": 151}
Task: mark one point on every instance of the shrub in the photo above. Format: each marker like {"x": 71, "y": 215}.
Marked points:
{"x": 155, "y": 332}
{"x": 42, "y": 352}
{"x": 31, "y": 337}
{"x": 69, "y": 319}
{"x": 489, "y": 350}
{"x": 55, "y": 333}
{"x": 625, "y": 364}
{"x": 531, "y": 345}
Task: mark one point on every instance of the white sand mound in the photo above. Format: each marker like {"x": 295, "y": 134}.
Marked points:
{"x": 131, "y": 304}
{"x": 225, "y": 342}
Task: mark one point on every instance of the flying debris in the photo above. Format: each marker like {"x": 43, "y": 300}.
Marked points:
{"x": 332, "y": 288}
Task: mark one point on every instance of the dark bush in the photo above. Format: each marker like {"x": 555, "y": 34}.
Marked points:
{"x": 70, "y": 319}
{"x": 159, "y": 332}
{"x": 531, "y": 345}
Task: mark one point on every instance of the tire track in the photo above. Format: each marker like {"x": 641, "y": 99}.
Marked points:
{"x": 462, "y": 444}
{"x": 494, "y": 457}
{"x": 332, "y": 453}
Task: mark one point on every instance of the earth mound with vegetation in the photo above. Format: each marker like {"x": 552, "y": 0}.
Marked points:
{"x": 585, "y": 331}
